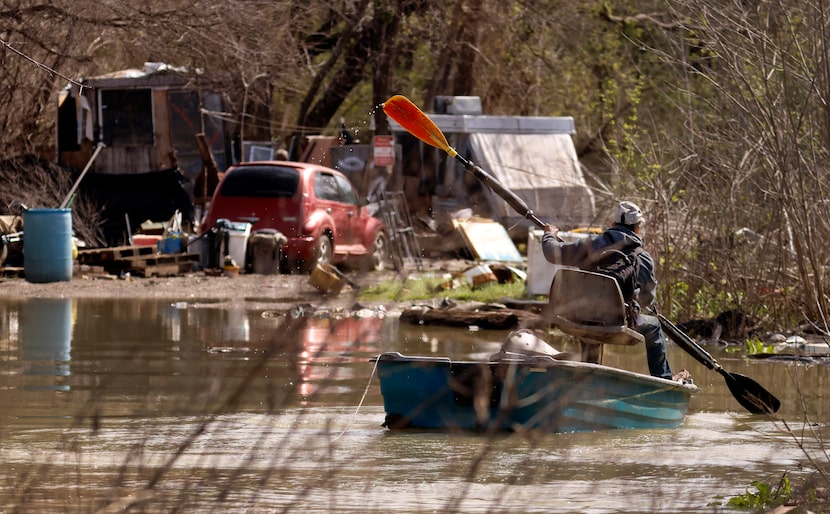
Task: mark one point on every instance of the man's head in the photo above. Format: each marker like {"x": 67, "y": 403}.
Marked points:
{"x": 628, "y": 214}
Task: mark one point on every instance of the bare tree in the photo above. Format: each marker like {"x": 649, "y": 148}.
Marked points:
{"x": 735, "y": 163}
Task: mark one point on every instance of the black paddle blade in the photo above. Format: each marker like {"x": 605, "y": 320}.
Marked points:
{"x": 750, "y": 394}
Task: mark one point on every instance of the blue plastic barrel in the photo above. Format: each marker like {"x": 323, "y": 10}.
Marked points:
{"x": 47, "y": 245}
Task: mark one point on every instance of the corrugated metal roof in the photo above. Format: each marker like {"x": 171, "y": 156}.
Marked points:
{"x": 152, "y": 74}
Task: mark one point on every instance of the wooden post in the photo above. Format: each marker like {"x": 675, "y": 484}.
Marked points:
{"x": 209, "y": 177}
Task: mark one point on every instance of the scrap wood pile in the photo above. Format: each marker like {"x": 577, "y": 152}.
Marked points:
{"x": 498, "y": 261}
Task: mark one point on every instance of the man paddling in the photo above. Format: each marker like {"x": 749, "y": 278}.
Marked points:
{"x": 621, "y": 238}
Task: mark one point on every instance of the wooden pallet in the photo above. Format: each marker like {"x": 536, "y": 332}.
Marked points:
{"x": 139, "y": 260}
{"x": 155, "y": 265}
{"x": 98, "y": 256}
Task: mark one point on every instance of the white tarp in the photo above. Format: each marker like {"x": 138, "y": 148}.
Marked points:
{"x": 542, "y": 170}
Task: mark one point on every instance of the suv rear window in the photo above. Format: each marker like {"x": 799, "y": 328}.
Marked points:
{"x": 261, "y": 181}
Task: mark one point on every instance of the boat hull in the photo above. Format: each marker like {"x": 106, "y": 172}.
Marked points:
{"x": 517, "y": 394}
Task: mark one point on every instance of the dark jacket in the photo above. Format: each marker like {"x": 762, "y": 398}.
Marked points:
{"x": 580, "y": 254}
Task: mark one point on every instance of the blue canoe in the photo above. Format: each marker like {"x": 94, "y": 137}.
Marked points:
{"x": 539, "y": 392}
{"x": 529, "y": 385}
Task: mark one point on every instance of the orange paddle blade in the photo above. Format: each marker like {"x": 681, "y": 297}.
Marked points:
{"x": 413, "y": 119}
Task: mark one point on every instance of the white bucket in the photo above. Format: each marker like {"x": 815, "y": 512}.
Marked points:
{"x": 238, "y": 234}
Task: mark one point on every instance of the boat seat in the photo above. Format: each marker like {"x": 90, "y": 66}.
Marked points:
{"x": 590, "y": 307}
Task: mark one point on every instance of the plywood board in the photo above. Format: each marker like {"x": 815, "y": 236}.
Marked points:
{"x": 488, "y": 240}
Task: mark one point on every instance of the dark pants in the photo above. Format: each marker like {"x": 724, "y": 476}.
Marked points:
{"x": 658, "y": 364}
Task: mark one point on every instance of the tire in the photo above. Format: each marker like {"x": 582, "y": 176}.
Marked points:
{"x": 323, "y": 253}
{"x": 377, "y": 258}
{"x": 325, "y": 250}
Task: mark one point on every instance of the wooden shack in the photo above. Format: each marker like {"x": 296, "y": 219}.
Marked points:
{"x": 151, "y": 122}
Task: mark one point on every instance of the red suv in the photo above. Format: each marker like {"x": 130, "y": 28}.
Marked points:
{"x": 315, "y": 207}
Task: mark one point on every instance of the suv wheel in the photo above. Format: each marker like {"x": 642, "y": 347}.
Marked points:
{"x": 322, "y": 255}
{"x": 377, "y": 259}
{"x": 378, "y": 256}
{"x": 325, "y": 250}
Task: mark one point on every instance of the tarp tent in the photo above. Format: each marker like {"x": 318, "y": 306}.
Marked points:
{"x": 532, "y": 156}
{"x": 542, "y": 170}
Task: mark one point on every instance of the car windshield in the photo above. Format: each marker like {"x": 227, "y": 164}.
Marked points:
{"x": 261, "y": 181}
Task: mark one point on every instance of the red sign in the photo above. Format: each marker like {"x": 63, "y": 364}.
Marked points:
{"x": 384, "y": 151}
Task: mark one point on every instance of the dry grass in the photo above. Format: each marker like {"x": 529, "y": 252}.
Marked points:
{"x": 38, "y": 183}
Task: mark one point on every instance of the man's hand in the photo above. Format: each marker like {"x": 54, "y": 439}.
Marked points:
{"x": 551, "y": 229}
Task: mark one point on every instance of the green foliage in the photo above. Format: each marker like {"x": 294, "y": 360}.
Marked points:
{"x": 707, "y": 301}
{"x": 624, "y": 146}
{"x": 765, "y": 496}
{"x": 755, "y": 346}
{"x": 710, "y": 300}
{"x": 429, "y": 288}
{"x": 676, "y": 292}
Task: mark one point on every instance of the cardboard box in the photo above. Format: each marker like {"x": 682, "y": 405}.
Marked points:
{"x": 326, "y": 279}
{"x": 479, "y": 276}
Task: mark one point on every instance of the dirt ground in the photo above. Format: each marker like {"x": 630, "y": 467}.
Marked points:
{"x": 251, "y": 288}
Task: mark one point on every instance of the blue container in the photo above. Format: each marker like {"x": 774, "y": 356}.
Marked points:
{"x": 173, "y": 243}
{"x": 47, "y": 245}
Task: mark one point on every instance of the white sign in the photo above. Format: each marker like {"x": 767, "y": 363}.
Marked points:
{"x": 384, "y": 151}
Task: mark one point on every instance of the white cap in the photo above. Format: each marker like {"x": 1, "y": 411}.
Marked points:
{"x": 627, "y": 213}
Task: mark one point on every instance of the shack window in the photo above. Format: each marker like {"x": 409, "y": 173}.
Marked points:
{"x": 127, "y": 117}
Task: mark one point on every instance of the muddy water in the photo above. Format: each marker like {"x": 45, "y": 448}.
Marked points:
{"x": 149, "y": 406}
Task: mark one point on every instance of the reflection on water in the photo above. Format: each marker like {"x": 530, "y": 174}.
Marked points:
{"x": 46, "y": 339}
{"x": 329, "y": 344}
{"x": 219, "y": 406}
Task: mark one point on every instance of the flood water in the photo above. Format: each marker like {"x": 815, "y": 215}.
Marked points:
{"x": 158, "y": 406}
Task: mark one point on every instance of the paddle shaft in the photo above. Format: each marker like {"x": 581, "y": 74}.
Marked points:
{"x": 688, "y": 344}
{"x": 507, "y": 195}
